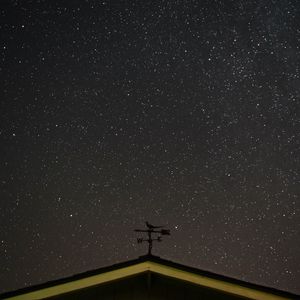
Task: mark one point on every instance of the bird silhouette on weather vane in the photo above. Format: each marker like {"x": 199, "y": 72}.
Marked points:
{"x": 151, "y": 229}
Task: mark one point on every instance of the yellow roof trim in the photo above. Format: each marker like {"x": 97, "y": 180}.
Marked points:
{"x": 84, "y": 282}
{"x": 143, "y": 267}
{"x": 213, "y": 283}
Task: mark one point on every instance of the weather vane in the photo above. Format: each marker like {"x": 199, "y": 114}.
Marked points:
{"x": 152, "y": 230}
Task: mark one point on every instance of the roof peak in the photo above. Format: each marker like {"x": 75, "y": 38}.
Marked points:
{"x": 158, "y": 265}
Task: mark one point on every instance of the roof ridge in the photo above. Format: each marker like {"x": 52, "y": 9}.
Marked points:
{"x": 153, "y": 259}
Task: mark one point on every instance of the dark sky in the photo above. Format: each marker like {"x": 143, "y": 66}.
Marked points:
{"x": 182, "y": 113}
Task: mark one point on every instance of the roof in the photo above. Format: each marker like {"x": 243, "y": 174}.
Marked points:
{"x": 149, "y": 263}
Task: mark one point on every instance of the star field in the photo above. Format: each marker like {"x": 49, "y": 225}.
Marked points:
{"x": 182, "y": 113}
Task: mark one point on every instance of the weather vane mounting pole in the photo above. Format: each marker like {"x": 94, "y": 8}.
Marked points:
{"x": 152, "y": 230}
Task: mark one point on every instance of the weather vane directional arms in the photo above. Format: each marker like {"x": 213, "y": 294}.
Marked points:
{"x": 151, "y": 229}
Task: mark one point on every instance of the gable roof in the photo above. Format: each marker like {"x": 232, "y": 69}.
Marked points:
{"x": 149, "y": 263}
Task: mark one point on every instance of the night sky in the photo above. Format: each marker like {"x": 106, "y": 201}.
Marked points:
{"x": 182, "y": 113}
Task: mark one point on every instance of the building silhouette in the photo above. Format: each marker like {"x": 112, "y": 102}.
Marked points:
{"x": 148, "y": 277}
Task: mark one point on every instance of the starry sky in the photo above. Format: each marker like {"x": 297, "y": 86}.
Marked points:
{"x": 184, "y": 113}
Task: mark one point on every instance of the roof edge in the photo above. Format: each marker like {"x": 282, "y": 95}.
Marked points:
{"x": 140, "y": 267}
